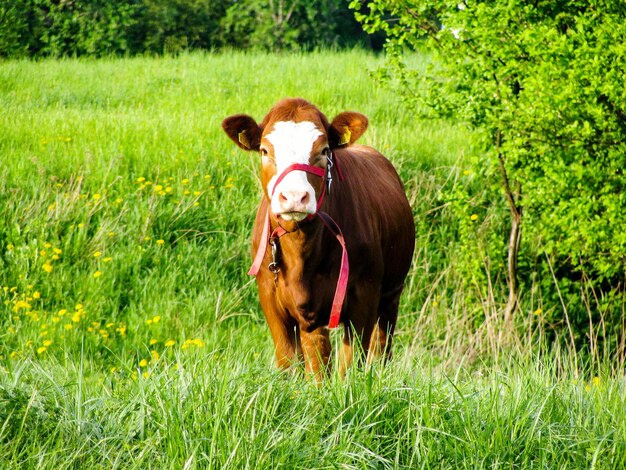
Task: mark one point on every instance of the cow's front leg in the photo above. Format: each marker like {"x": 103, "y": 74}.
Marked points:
{"x": 284, "y": 344}
{"x": 316, "y": 351}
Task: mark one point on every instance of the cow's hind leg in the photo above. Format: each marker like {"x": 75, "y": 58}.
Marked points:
{"x": 382, "y": 332}
{"x": 358, "y": 330}
{"x": 356, "y": 338}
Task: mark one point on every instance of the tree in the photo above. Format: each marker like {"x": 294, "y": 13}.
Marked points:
{"x": 544, "y": 83}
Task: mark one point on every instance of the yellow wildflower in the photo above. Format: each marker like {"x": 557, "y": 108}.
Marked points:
{"x": 143, "y": 363}
{"x": 97, "y": 254}
{"x": 21, "y": 304}
{"x": 169, "y": 343}
{"x": 193, "y": 342}
{"x": 47, "y": 267}
{"x": 474, "y": 217}
{"x": 36, "y": 295}
{"x": 153, "y": 342}
{"x": 97, "y": 274}
{"x": 160, "y": 242}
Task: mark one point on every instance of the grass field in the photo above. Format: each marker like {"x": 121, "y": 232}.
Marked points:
{"x": 130, "y": 336}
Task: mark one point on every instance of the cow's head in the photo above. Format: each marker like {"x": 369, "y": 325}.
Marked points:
{"x": 294, "y": 131}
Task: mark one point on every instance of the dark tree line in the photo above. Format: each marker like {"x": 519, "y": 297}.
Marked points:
{"x": 39, "y": 28}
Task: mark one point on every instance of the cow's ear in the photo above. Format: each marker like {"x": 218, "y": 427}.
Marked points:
{"x": 243, "y": 130}
{"x": 346, "y": 128}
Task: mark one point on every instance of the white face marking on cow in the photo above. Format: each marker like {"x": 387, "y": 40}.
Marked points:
{"x": 294, "y": 197}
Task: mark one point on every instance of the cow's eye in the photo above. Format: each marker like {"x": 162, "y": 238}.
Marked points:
{"x": 264, "y": 151}
{"x": 326, "y": 152}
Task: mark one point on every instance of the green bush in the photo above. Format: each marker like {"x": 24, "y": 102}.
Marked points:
{"x": 12, "y": 30}
{"x": 64, "y": 28}
{"x": 99, "y": 27}
{"x": 174, "y": 25}
{"x": 544, "y": 84}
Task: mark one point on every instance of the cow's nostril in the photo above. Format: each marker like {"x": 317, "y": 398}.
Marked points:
{"x": 282, "y": 197}
{"x": 305, "y": 198}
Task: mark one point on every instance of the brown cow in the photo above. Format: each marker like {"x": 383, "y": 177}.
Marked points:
{"x": 297, "y": 278}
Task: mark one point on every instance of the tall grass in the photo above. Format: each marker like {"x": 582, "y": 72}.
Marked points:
{"x": 130, "y": 336}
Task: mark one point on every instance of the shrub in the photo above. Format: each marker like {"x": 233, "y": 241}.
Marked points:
{"x": 544, "y": 84}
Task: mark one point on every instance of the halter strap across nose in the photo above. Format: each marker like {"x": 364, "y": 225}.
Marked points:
{"x": 298, "y": 167}
{"x": 309, "y": 169}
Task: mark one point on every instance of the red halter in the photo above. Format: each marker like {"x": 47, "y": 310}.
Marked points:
{"x": 344, "y": 270}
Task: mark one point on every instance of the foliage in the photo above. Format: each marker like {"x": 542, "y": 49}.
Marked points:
{"x": 295, "y": 24}
{"x": 172, "y": 26}
{"x": 544, "y": 84}
{"x": 99, "y": 27}
{"x": 13, "y": 28}
{"x": 45, "y": 27}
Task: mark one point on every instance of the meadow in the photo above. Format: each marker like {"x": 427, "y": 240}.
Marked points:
{"x": 131, "y": 337}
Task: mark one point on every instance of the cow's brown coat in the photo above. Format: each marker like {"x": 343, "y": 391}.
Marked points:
{"x": 371, "y": 209}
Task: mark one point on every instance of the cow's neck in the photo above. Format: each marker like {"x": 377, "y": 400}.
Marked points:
{"x": 300, "y": 246}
